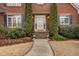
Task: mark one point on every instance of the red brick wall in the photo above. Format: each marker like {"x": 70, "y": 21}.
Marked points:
{"x": 41, "y": 8}
{"x": 1, "y": 19}
{"x": 1, "y": 5}
{"x": 15, "y": 9}
{"x": 68, "y": 9}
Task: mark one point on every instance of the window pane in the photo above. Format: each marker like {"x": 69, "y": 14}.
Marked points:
{"x": 61, "y": 21}
{"x": 9, "y": 19}
{"x": 14, "y": 22}
{"x": 9, "y": 22}
{"x": 19, "y": 21}
{"x": 18, "y": 4}
{"x": 13, "y": 4}
{"x": 64, "y": 20}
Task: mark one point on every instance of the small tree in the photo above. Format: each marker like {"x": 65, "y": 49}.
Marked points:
{"x": 28, "y": 25}
{"x": 53, "y": 24}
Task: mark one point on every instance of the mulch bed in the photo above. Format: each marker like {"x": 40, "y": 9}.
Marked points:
{"x": 4, "y": 42}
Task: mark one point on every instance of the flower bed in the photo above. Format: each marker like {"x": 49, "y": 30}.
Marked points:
{"x": 4, "y": 42}
{"x": 9, "y": 36}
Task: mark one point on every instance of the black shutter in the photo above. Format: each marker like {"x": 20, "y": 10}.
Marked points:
{"x": 22, "y": 20}
{"x": 70, "y": 19}
{"x": 5, "y": 21}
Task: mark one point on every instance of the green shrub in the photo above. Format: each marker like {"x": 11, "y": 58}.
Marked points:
{"x": 70, "y": 31}
{"x": 58, "y": 37}
{"x": 76, "y": 32}
{"x": 15, "y": 33}
{"x": 28, "y": 34}
{"x": 2, "y": 29}
{"x": 10, "y": 34}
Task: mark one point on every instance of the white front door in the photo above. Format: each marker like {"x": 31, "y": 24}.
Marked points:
{"x": 40, "y": 23}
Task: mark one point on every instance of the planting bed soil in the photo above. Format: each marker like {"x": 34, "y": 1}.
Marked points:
{"x": 4, "y": 42}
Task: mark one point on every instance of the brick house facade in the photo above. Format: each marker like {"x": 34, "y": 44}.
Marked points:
{"x": 12, "y": 15}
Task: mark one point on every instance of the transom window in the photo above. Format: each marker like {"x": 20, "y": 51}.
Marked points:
{"x": 39, "y": 3}
{"x": 13, "y": 4}
{"x": 64, "y": 20}
{"x": 14, "y": 21}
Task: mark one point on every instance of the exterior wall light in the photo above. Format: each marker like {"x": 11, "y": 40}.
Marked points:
{"x": 48, "y": 17}
{"x": 32, "y": 17}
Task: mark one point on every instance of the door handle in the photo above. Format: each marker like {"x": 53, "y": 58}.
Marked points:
{"x": 35, "y": 26}
{"x": 44, "y": 26}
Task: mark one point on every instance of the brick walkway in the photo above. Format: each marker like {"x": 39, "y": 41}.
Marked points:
{"x": 40, "y": 48}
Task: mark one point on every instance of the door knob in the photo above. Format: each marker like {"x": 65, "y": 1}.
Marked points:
{"x": 35, "y": 26}
{"x": 44, "y": 26}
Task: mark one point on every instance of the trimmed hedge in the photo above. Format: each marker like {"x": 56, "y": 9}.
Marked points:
{"x": 71, "y": 32}
{"x": 10, "y": 33}
{"x": 14, "y": 33}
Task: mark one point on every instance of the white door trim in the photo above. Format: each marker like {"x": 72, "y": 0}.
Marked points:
{"x": 40, "y": 23}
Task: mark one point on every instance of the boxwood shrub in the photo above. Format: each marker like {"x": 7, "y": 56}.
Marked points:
{"x": 76, "y": 32}
{"x": 15, "y": 33}
{"x": 70, "y": 31}
{"x": 10, "y": 33}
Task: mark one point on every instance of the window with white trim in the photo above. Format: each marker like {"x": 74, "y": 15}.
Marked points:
{"x": 13, "y": 4}
{"x": 64, "y": 20}
{"x": 14, "y": 21}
